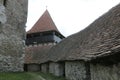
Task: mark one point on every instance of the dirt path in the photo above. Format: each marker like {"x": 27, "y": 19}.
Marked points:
{"x": 36, "y": 76}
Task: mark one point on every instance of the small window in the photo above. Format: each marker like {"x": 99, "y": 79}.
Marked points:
{"x": 5, "y": 2}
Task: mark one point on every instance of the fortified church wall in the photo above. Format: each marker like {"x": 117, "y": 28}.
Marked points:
{"x": 13, "y": 16}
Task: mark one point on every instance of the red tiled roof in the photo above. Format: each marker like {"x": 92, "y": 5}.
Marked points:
{"x": 45, "y": 23}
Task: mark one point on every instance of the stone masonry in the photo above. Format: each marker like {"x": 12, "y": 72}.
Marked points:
{"x": 102, "y": 72}
{"x": 13, "y": 17}
{"x": 77, "y": 70}
{"x": 45, "y": 67}
{"x": 33, "y": 67}
{"x": 57, "y": 68}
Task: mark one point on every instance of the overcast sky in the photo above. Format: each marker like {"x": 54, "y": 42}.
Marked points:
{"x": 70, "y": 16}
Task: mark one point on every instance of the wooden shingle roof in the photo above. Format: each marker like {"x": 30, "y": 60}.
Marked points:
{"x": 101, "y": 38}
{"x": 36, "y": 54}
{"x": 45, "y": 23}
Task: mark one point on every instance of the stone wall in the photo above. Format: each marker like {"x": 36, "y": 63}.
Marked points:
{"x": 77, "y": 70}
{"x": 100, "y": 72}
{"x": 58, "y": 69}
{"x": 45, "y": 67}
{"x": 33, "y": 67}
{"x": 13, "y": 16}
{"x": 52, "y": 67}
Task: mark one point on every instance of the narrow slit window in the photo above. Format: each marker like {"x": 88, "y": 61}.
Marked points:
{"x": 5, "y": 3}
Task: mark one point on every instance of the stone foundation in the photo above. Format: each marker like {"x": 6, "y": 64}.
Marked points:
{"x": 45, "y": 67}
{"x": 57, "y": 69}
{"x": 77, "y": 70}
{"x": 100, "y": 72}
{"x": 33, "y": 67}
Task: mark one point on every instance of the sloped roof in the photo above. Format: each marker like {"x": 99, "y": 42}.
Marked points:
{"x": 45, "y": 23}
{"x": 36, "y": 54}
{"x": 99, "y": 39}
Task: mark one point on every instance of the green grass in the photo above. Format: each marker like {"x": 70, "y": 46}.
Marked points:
{"x": 15, "y": 76}
{"x": 49, "y": 76}
{"x": 28, "y": 76}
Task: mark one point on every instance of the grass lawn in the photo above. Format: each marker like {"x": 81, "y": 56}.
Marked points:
{"x": 28, "y": 76}
{"x": 16, "y": 76}
{"x": 50, "y": 76}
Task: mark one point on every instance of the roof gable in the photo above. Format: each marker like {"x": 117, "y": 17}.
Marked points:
{"x": 45, "y": 23}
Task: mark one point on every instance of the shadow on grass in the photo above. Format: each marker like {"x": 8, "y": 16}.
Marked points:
{"x": 49, "y": 76}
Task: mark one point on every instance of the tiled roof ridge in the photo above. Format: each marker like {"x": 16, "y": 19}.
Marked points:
{"x": 44, "y": 23}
